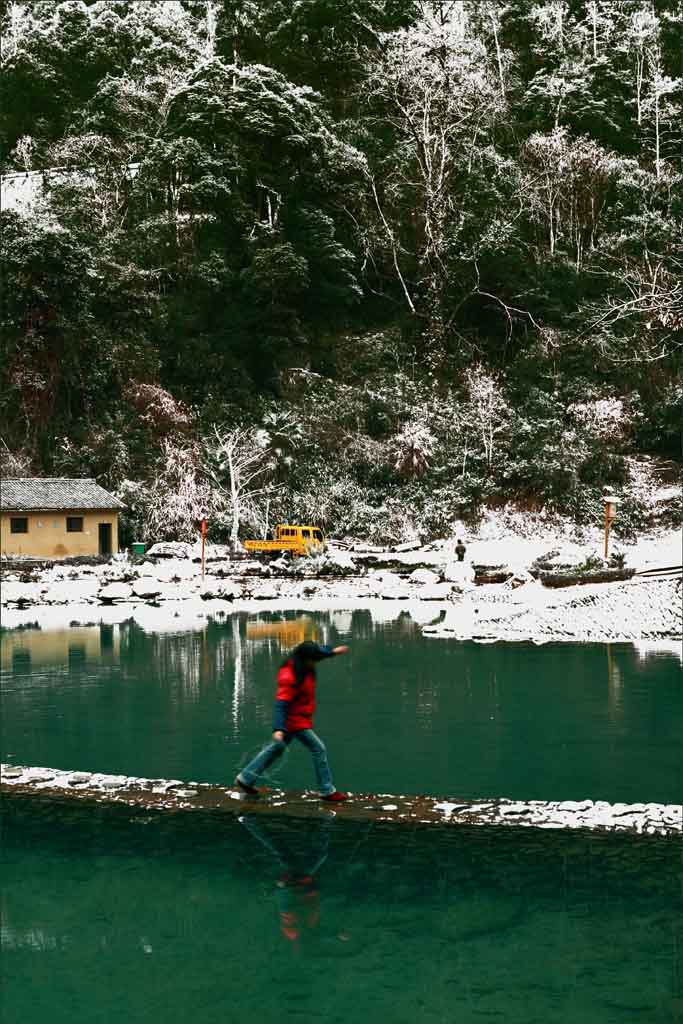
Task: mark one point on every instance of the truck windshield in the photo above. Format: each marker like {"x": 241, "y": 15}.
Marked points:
{"x": 317, "y": 534}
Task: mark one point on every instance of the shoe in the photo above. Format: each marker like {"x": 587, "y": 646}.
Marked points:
{"x": 336, "y": 797}
{"x": 245, "y": 788}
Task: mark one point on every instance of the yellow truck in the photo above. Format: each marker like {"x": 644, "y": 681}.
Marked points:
{"x": 297, "y": 540}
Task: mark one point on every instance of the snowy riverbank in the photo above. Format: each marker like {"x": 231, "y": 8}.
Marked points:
{"x": 439, "y": 593}
{"x": 636, "y": 610}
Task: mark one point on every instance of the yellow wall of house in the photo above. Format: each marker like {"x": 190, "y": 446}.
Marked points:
{"x": 55, "y": 646}
{"x": 47, "y": 536}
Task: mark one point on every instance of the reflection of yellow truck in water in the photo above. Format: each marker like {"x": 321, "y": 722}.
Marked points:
{"x": 290, "y": 632}
{"x": 295, "y": 540}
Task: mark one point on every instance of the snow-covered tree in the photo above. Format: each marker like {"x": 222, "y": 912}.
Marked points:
{"x": 657, "y": 94}
{"x": 176, "y": 499}
{"x": 13, "y": 463}
{"x": 604, "y": 418}
{"x": 569, "y": 186}
{"x": 434, "y": 92}
{"x": 487, "y": 410}
{"x": 413, "y": 449}
{"x": 237, "y": 462}
{"x": 158, "y": 409}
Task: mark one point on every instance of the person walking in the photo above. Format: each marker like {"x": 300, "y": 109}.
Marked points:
{"x": 460, "y": 550}
{"x": 293, "y": 720}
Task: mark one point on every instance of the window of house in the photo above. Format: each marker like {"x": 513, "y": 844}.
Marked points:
{"x": 77, "y": 656}
{"x": 106, "y": 638}
{"x": 21, "y": 661}
{"x": 74, "y": 524}
{"x": 19, "y": 524}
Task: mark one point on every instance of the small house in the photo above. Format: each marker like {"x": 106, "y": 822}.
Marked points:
{"x": 57, "y": 518}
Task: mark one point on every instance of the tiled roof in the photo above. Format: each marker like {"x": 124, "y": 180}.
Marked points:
{"x": 38, "y": 494}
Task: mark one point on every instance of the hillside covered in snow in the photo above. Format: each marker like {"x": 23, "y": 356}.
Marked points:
{"x": 381, "y": 266}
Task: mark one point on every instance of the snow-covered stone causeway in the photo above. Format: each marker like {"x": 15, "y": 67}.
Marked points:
{"x": 175, "y": 795}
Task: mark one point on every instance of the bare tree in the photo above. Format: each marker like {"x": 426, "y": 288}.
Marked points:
{"x": 658, "y": 309}
{"x": 569, "y": 186}
{"x": 169, "y": 506}
{"x": 431, "y": 88}
{"x": 237, "y": 463}
{"x": 643, "y": 34}
{"x": 493, "y": 11}
{"x": 655, "y": 91}
{"x": 488, "y": 409}
{"x": 13, "y": 464}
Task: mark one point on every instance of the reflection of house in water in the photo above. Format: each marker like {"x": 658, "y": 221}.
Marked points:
{"x": 24, "y": 649}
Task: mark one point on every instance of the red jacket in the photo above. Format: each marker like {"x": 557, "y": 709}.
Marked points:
{"x": 294, "y": 702}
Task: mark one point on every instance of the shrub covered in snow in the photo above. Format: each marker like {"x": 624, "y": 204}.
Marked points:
{"x": 324, "y": 563}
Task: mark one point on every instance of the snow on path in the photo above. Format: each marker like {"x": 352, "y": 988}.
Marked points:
{"x": 173, "y": 794}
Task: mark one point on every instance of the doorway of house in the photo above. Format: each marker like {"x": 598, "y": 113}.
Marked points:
{"x": 104, "y": 530}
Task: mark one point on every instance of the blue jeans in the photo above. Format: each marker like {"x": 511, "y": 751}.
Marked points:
{"x": 277, "y": 748}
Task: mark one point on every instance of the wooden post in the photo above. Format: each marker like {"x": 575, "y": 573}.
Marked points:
{"x": 203, "y": 543}
{"x": 611, "y": 502}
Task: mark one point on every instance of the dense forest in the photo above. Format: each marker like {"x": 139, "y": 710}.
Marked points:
{"x": 373, "y": 263}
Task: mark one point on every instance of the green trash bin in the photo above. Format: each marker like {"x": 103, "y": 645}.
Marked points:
{"x": 138, "y": 548}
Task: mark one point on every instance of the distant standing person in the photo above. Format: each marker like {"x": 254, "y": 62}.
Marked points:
{"x": 293, "y": 719}
{"x": 460, "y": 550}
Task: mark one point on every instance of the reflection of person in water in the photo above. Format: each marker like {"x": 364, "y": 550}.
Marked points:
{"x": 300, "y": 855}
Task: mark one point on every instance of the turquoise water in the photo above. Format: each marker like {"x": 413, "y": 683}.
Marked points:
{"x": 399, "y": 714}
{"x": 111, "y": 914}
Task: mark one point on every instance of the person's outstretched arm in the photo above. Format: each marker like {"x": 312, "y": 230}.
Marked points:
{"x": 325, "y": 651}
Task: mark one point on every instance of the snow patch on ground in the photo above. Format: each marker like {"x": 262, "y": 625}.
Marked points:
{"x": 636, "y": 610}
